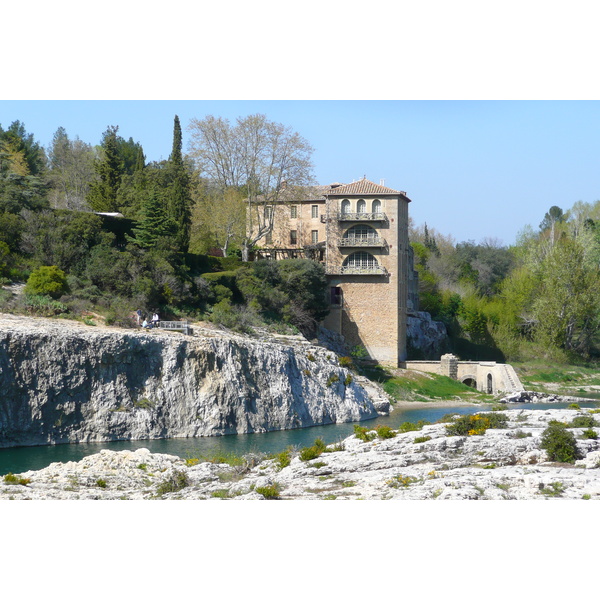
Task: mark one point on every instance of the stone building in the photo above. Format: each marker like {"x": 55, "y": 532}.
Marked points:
{"x": 359, "y": 231}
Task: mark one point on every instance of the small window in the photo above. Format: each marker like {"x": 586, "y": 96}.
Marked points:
{"x": 293, "y": 212}
{"x": 314, "y": 236}
{"x": 269, "y": 238}
{"x": 345, "y": 207}
{"x": 315, "y": 211}
{"x": 293, "y": 237}
{"x": 376, "y": 207}
{"x": 361, "y": 206}
{"x": 268, "y": 213}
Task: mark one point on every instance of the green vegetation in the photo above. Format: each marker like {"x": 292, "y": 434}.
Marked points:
{"x": 314, "y": 451}
{"x": 477, "y": 424}
{"x": 101, "y": 483}
{"x": 554, "y": 490}
{"x": 559, "y": 443}
{"x": 270, "y": 492}
{"x": 283, "y": 459}
{"x": 12, "y": 479}
{"x": 176, "y": 481}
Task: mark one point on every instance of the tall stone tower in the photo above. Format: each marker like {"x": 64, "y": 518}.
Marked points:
{"x": 366, "y": 259}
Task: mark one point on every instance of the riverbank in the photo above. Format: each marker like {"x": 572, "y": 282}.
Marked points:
{"x": 425, "y": 464}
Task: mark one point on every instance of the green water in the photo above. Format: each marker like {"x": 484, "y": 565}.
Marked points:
{"x": 18, "y": 460}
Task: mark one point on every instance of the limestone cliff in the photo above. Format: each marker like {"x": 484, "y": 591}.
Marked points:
{"x": 62, "y": 381}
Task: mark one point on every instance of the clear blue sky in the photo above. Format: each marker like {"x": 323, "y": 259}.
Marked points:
{"x": 473, "y": 169}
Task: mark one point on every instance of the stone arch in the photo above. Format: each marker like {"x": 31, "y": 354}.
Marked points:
{"x": 470, "y": 380}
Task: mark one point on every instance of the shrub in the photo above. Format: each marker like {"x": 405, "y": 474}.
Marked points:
{"x": 313, "y": 451}
{"x": 364, "y": 434}
{"x": 589, "y": 434}
{"x": 175, "y": 482}
{"x": 47, "y": 281}
{"x": 283, "y": 459}
{"x": 384, "y": 432}
{"x": 559, "y": 443}
{"x": 346, "y": 362}
{"x": 101, "y": 483}
{"x": 12, "y": 479}
{"x": 349, "y": 379}
{"x": 583, "y": 421}
{"x": 407, "y": 426}
{"x": 270, "y": 492}
{"x": 574, "y": 406}
{"x": 331, "y": 380}
{"x": 421, "y": 439}
{"x": 477, "y": 424}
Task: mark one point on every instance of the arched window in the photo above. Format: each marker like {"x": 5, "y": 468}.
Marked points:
{"x": 361, "y": 233}
{"x": 361, "y": 206}
{"x": 376, "y": 206}
{"x": 345, "y": 207}
{"x": 361, "y": 261}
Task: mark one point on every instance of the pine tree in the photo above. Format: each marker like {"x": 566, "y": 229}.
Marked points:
{"x": 103, "y": 192}
{"x": 154, "y": 224}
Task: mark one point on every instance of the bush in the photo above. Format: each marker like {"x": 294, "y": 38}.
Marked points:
{"x": 313, "y": 451}
{"x": 270, "y": 492}
{"x": 47, "y": 281}
{"x": 477, "y": 424}
{"x": 583, "y": 421}
{"x": 283, "y": 459}
{"x": 384, "y": 432}
{"x": 559, "y": 443}
{"x": 175, "y": 482}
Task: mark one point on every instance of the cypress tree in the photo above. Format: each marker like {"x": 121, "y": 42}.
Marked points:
{"x": 178, "y": 194}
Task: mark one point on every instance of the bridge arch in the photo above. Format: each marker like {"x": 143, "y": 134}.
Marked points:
{"x": 470, "y": 380}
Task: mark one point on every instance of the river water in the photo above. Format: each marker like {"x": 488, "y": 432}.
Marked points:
{"x": 18, "y": 460}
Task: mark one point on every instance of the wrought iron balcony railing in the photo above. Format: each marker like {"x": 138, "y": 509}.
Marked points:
{"x": 362, "y": 216}
{"x": 357, "y": 270}
{"x": 362, "y": 241}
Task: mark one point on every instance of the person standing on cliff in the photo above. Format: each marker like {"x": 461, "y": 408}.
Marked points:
{"x": 138, "y": 314}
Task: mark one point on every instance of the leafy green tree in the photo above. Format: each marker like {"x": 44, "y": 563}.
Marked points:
{"x": 567, "y": 305}
{"x": 47, "y": 281}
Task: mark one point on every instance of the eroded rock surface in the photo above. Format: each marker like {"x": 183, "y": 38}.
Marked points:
{"x": 501, "y": 464}
{"x": 62, "y": 381}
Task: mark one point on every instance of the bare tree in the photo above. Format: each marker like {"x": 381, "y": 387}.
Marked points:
{"x": 257, "y": 157}
{"x": 71, "y": 171}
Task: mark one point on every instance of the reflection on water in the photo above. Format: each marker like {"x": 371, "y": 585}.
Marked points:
{"x": 18, "y": 460}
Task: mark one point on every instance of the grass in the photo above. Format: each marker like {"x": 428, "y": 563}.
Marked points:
{"x": 566, "y": 379}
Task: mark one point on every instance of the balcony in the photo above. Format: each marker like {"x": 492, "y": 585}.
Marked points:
{"x": 362, "y": 241}
{"x": 357, "y": 270}
{"x": 362, "y": 216}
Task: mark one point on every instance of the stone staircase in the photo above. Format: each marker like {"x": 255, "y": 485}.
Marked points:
{"x": 511, "y": 379}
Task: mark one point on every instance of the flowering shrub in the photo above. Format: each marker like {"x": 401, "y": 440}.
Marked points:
{"x": 477, "y": 424}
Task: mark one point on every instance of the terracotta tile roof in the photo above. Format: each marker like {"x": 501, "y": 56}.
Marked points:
{"x": 363, "y": 187}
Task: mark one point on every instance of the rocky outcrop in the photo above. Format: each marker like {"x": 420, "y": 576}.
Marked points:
{"x": 425, "y": 336}
{"x": 502, "y": 464}
{"x": 63, "y": 381}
